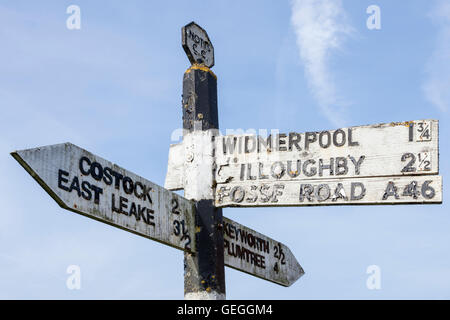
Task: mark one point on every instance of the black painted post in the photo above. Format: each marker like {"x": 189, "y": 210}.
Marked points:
{"x": 204, "y": 271}
{"x": 204, "y": 274}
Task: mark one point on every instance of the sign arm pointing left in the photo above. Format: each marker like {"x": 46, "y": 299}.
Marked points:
{"x": 84, "y": 183}
{"x": 17, "y": 156}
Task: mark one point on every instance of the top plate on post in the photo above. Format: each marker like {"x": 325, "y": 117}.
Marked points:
{"x": 196, "y": 44}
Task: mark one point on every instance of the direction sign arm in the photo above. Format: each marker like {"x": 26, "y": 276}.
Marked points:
{"x": 251, "y": 252}
{"x": 17, "y": 156}
{"x": 86, "y": 184}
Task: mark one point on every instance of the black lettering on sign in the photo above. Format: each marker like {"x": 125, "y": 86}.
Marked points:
{"x": 128, "y": 185}
{"x": 175, "y": 206}
{"x": 180, "y": 230}
{"x": 281, "y": 142}
{"x": 409, "y": 167}
{"x": 96, "y": 171}
{"x": 277, "y": 170}
{"x": 354, "y": 186}
{"x": 132, "y": 209}
{"x": 266, "y": 195}
{"x": 391, "y": 191}
{"x": 339, "y": 193}
{"x": 222, "y": 193}
{"x": 229, "y": 144}
{"x": 351, "y": 143}
{"x": 144, "y": 214}
{"x": 237, "y": 194}
{"x": 252, "y": 196}
{"x": 82, "y": 167}
{"x": 313, "y": 170}
{"x": 341, "y": 166}
{"x": 194, "y": 48}
{"x": 150, "y": 216}
{"x": 97, "y": 192}
{"x": 123, "y": 204}
{"x": 61, "y": 179}
{"x": 329, "y": 167}
{"x": 339, "y": 141}
{"x": 291, "y": 172}
{"x": 85, "y": 190}
{"x": 176, "y": 229}
{"x": 276, "y": 268}
{"x": 357, "y": 163}
{"x": 322, "y": 192}
{"x": 113, "y": 204}
{"x": 260, "y": 172}
{"x": 277, "y": 191}
{"x": 117, "y": 178}
{"x": 142, "y": 211}
{"x": 75, "y": 185}
{"x": 264, "y": 144}
{"x": 249, "y": 172}
{"x": 279, "y": 254}
{"x": 254, "y": 144}
{"x": 411, "y": 132}
{"x": 428, "y": 191}
{"x": 310, "y": 137}
{"x": 410, "y": 190}
{"x": 424, "y": 163}
{"x": 139, "y": 194}
{"x": 326, "y": 134}
{"x": 244, "y": 254}
{"x": 147, "y": 191}
{"x": 242, "y": 176}
{"x": 294, "y": 139}
{"x": 306, "y": 191}
{"x": 424, "y": 130}
{"x": 107, "y": 176}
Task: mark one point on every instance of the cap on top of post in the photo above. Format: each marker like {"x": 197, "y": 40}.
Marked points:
{"x": 197, "y": 45}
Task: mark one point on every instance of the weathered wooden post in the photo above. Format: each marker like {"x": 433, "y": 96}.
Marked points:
{"x": 204, "y": 274}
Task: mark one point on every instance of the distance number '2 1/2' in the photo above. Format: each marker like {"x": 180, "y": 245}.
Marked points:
{"x": 423, "y": 159}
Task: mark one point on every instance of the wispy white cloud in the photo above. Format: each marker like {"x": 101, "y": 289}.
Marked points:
{"x": 437, "y": 83}
{"x": 321, "y": 27}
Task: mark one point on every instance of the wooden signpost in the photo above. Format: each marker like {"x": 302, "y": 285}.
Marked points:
{"x": 256, "y": 254}
{"x": 361, "y": 191}
{"x": 84, "y": 183}
{"x": 394, "y": 163}
{"x": 391, "y": 149}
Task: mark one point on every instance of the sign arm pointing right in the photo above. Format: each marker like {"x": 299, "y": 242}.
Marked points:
{"x": 251, "y": 252}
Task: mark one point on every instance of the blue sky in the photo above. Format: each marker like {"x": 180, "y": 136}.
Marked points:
{"x": 114, "y": 88}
